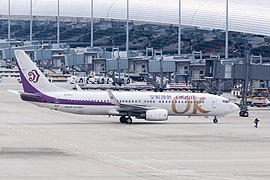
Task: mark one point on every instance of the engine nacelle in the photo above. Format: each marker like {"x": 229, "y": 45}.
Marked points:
{"x": 156, "y": 115}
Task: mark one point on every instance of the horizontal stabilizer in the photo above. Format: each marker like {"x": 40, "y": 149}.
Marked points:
{"x": 29, "y": 96}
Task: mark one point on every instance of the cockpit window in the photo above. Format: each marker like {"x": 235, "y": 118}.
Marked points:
{"x": 225, "y": 101}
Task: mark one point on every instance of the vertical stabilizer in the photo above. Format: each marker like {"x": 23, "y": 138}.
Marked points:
{"x": 32, "y": 78}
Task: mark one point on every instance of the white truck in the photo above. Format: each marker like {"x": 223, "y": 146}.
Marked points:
{"x": 260, "y": 102}
{"x": 81, "y": 78}
{"x": 102, "y": 79}
{"x": 124, "y": 78}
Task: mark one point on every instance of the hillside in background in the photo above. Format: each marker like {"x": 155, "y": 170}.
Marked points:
{"x": 161, "y": 37}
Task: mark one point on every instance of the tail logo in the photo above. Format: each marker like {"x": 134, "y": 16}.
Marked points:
{"x": 33, "y": 76}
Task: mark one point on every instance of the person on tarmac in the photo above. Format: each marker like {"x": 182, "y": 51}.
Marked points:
{"x": 256, "y": 122}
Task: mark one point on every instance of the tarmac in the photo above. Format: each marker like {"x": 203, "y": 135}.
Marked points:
{"x": 37, "y": 143}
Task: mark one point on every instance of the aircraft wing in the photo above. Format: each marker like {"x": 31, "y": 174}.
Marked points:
{"x": 128, "y": 107}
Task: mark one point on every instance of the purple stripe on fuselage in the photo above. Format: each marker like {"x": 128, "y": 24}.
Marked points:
{"x": 47, "y": 99}
{"x": 28, "y": 88}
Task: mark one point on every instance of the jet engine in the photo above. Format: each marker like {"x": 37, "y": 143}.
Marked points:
{"x": 156, "y": 115}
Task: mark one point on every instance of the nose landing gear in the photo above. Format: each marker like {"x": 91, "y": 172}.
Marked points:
{"x": 215, "y": 120}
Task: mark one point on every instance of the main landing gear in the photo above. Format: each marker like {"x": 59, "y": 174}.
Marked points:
{"x": 215, "y": 120}
{"x": 125, "y": 119}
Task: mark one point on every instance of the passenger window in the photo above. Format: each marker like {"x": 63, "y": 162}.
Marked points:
{"x": 225, "y": 101}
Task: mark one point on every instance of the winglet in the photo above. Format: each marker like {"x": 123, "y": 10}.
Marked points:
{"x": 113, "y": 99}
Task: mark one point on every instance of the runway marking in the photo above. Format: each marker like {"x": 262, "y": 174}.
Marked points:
{"x": 89, "y": 150}
{"x": 133, "y": 162}
{"x": 14, "y": 91}
{"x": 160, "y": 172}
{"x": 157, "y": 160}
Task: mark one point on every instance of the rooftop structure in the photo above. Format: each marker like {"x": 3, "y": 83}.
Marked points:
{"x": 201, "y": 13}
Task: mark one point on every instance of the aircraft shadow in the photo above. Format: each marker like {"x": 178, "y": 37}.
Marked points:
{"x": 112, "y": 122}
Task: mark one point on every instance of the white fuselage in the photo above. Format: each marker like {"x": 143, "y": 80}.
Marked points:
{"x": 151, "y": 106}
{"x": 177, "y": 104}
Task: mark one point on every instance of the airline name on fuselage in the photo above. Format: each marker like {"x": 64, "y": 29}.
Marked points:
{"x": 182, "y": 97}
{"x": 191, "y": 102}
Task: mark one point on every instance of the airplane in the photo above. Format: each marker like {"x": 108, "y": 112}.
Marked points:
{"x": 150, "y": 106}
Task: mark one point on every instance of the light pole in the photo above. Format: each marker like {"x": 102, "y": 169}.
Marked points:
{"x": 92, "y": 23}
{"x": 179, "y": 28}
{"x": 58, "y": 22}
{"x": 227, "y": 30}
{"x": 161, "y": 74}
{"x": 31, "y": 21}
{"x": 9, "y": 20}
{"x": 127, "y": 38}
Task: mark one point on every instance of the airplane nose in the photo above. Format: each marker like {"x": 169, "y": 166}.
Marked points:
{"x": 234, "y": 107}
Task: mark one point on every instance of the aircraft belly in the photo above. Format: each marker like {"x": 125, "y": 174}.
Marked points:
{"x": 84, "y": 109}
{"x": 44, "y": 105}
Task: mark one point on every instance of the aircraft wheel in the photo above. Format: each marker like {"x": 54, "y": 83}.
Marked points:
{"x": 215, "y": 120}
{"x": 123, "y": 119}
{"x": 240, "y": 113}
{"x": 81, "y": 80}
{"x": 102, "y": 81}
{"x": 245, "y": 114}
{"x": 128, "y": 81}
{"x": 129, "y": 120}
